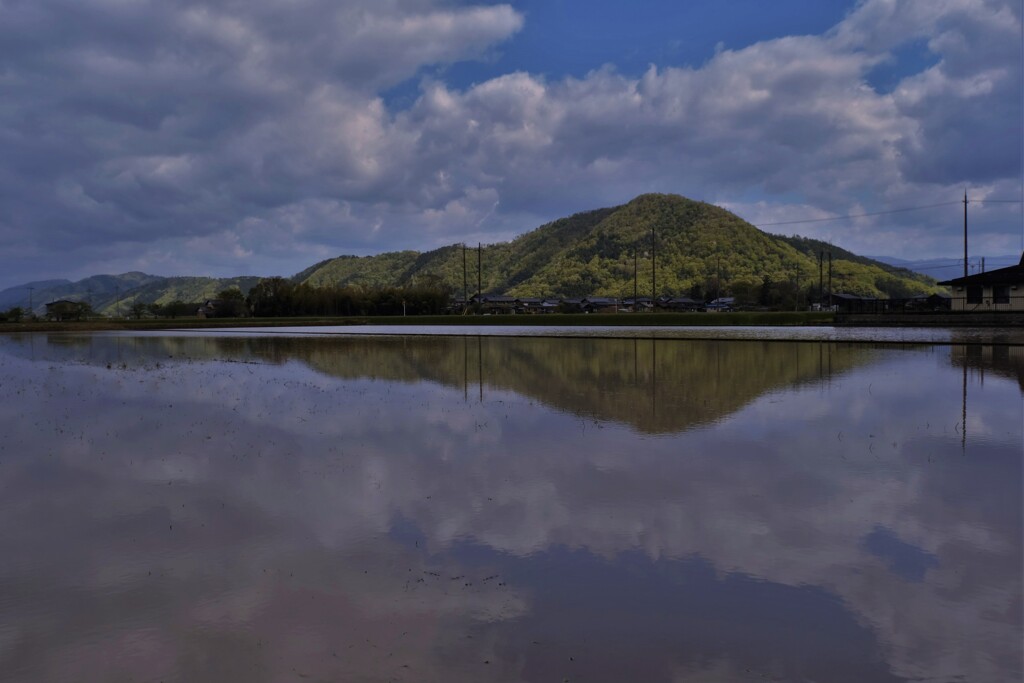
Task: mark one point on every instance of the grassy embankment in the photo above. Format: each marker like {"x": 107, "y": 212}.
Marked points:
{"x": 779, "y": 318}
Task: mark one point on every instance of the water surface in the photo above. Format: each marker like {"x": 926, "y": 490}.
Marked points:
{"x": 244, "y": 507}
{"x": 923, "y": 335}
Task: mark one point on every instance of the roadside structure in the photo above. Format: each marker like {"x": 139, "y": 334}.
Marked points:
{"x": 995, "y": 290}
{"x": 844, "y": 302}
{"x": 680, "y": 303}
{"x": 600, "y": 304}
{"x": 722, "y": 304}
{"x": 66, "y": 309}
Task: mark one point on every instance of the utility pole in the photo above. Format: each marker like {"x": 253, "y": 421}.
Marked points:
{"x": 821, "y": 278}
{"x": 830, "y": 280}
{"x": 479, "y": 268}
{"x": 965, "y": 233}
{"x": 796, "y": 299}
{"x": 983, "y": 264}
{"x": 636, "y": 281}
{"x": 654, "y": 270}
{"x": 718, "y": 276}
{"x": 465, "y": 290}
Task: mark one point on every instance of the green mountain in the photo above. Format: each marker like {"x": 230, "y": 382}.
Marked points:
{"x": 699, "y": 249}
{"x": 97, "y": 290}
{"x": 19, "y": 295}
{"x": 109, "y": 294}
{"x": 164, "y": 290}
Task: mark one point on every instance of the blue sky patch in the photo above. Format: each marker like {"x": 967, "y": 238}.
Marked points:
{"x": 905, "y": 560}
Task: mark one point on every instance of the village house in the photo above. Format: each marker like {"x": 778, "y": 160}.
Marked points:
{"x": 995, "y": 290}
{"x": 65, "y": 309}
{"x": 680, "y": 304}
{"x": 600, "y": 304}
{"x": 854, "y": 303}
{"x": 209, "y": 308}
{"x": 722, "y": 304}
{"x": 497, "y": 304}
{"x": 641, "y": 303}
{"x": 530, "y": 304}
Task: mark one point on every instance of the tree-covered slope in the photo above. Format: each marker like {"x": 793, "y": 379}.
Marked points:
{"x": 165, "y": 290}
{"x": 698, "y": 249}
{"x": 19, "y": 294}
{"x": 370, "y": 271}
{"x": 97, "y": 290}
{"x": 667, "y": 244}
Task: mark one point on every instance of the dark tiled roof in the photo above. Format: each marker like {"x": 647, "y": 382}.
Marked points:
{"x": 1001, "y": 276}
{"x": 851, "y": 297}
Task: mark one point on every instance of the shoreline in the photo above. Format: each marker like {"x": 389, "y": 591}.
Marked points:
{"x": 682, "y": 320}
{"x": 765, "y": 319}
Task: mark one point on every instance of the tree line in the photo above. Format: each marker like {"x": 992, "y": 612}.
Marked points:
{"x": 277, "y": 296}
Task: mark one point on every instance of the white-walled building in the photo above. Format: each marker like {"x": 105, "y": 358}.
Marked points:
{"x": 996, "y": 290}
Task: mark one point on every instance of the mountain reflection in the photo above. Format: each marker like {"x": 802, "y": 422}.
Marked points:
{"x": 252, "y": 509}
{"x": 656, "y": 386}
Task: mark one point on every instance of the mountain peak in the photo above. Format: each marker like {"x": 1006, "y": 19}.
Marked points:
{"x": 692, "y": 246}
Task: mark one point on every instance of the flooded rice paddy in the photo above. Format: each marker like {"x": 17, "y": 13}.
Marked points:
{"x": 325, "y": 507}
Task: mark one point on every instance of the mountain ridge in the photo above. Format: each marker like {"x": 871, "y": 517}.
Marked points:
{"x": 699, "y": 248}
{"x": 667, "y": 242}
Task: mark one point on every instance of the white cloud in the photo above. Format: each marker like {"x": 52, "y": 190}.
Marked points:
{"x": 128, "y": 124}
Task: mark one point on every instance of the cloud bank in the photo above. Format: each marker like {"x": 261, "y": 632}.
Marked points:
{"x": 192, "y": 136}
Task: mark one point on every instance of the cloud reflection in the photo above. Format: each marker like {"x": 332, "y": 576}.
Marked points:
{"x": 200, "y": 518}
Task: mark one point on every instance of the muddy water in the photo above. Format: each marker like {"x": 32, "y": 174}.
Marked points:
{"x": 267, "y": 508}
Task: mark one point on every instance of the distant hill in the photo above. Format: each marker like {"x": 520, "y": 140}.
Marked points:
{"x": 107, "y": 293}
{"x": 19, "y": 294}
{"x": 96, "y": 289}
{"x": 164, "y": 290}
{"x": 592, "y": 253}
{"x": 946, "y": 268}
{"x": 701, "y": 250}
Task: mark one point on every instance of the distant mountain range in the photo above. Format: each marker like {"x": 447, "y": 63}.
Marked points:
{"x": 946, "y": 269}
{"x": 111, "y": 294}
{"x": 695, "y": 248}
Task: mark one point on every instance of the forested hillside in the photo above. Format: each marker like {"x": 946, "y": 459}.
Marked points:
{"x": 665, "y": 244}
{"x": 693, "y": 248}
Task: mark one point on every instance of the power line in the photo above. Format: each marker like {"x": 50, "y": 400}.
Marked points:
{"x": 861, "y": 215}
{"x": 949, "y": 263}
{"x": 953, "y": 264}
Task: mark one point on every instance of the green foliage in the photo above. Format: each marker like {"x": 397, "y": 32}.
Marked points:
{"x": 274, "y": 297}
{"x": 138, "y": 310}
{"x": 68, "y": 310}
{"x": 700, "y": 250}
{"x": 163, "y": 291}
{"x": 13, "y": 315}
{"x": 231, "y": 294}
{"x": 230, "y": 303}
{"x": 178, "y": 308}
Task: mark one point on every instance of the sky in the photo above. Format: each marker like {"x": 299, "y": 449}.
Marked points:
{"x": 257, "y": 137}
